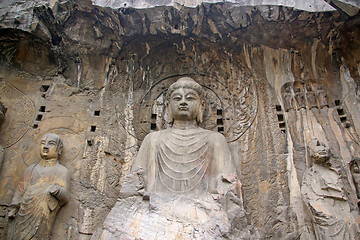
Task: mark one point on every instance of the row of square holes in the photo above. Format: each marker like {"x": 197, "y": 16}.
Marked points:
{"x": 43, "y": 89}
{"x": 93, "y": 127}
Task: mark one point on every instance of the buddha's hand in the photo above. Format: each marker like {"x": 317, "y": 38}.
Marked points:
{"x": 12, "y": 211}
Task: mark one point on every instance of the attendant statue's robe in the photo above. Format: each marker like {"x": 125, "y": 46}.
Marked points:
{"x": 324, "y": 196}
{"x": 38, "y": 207}
{"x": 183, "y": 161}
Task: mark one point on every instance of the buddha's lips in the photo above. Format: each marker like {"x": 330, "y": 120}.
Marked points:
{"x": 183, "y": 108}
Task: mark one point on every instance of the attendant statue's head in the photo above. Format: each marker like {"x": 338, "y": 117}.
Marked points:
{"x": 2, "y": 113}
{"x": 51, "y": 146}
{"x": 318, "y": 151}
{"x": 185, "y": 101}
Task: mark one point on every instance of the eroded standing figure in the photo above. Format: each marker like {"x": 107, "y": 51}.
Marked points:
{"x": 2, "y": 117}
{"x": 310, "y": 97}
{"x": 300, "y": 98}
{"x": 42, "y": 190}
{"x": 355, "y": 172}
{"x": 322, "y": 98}
{"x": 324, "y": 196}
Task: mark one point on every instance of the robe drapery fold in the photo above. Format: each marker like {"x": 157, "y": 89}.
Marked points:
{"x": 183, "y": 161}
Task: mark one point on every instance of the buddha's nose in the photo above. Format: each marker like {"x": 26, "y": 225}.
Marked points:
{"x": 183, "y": 102}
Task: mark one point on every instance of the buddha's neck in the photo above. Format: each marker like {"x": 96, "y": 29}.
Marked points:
{"x": 48, "y": 162}
{"x": 185, "y": 124}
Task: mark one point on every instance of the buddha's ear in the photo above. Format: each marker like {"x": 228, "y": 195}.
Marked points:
{"x": 59, "y": 148}
{"x": 199, "y": 117}
{"x": 170, "y": 118}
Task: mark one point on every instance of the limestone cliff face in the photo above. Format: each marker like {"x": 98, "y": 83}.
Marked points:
{"x": 95, "y": 73}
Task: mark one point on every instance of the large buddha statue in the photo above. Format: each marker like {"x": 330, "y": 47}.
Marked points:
{"x": 184, "y": 158}
{"x": 42, "y": 190}
{"x": 183, "y": 183}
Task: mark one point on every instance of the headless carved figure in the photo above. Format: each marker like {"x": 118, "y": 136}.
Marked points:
{"x": 322, "y": 98}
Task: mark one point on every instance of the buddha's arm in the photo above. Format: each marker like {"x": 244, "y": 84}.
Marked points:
{"x": 222, "y": 156}
{"x": 143, "y": 154}
{"x": 61, "y": 190}
{"x": 145, "y": 161}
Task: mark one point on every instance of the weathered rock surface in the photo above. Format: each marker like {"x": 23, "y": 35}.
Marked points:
{"x": 96, "y": 75}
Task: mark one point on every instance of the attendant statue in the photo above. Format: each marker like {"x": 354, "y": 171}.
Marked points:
{"x": 2, "y": 117}
{"x": 324, "y": 196}
{"x": 42, "y": 190}
{"x": 184, "y": 158}
{"x": 183, "y": 183}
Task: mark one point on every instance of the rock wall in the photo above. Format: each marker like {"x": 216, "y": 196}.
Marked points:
{"x": 275, "y": 78}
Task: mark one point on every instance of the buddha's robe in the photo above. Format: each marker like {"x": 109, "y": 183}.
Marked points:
{"x": 38, "y": 207}
{"x": 183, "y": 161}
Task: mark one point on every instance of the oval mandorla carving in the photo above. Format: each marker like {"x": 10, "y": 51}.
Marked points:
{"x": 19, "y": 115}
{"x": 229, "y": 108}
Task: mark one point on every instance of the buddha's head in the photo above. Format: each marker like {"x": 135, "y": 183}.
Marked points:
{"x": 185, "y": 100}
{"x": 318, "y": 151}
{"x": 51, "y": 146}
{"x": 2, "y": 113}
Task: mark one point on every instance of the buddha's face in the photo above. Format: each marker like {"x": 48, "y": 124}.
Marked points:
{"x": 49, "y": 146}
{"x": 185, "y": 104}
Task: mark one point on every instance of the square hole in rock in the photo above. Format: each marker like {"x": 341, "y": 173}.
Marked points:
{"x": 44, "y": 88}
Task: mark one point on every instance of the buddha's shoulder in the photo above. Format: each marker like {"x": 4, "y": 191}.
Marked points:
{"x": 155, "y": 136}
{"x": 216, "y": 137}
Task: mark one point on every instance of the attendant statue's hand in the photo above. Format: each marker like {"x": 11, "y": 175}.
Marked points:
{"x": 12, "y": 211}
{"x": 54, "y": 190}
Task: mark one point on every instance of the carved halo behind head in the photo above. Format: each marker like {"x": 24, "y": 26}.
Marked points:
{"x": 189, "y": 83}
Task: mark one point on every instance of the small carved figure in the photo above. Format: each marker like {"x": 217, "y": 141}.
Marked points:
{"x": 2, "y": 117}
{"x": 42, "y": 190}
{"x": 323, "y": 194}
{"x": 288, "y": 101}
{"x": 184, "y": 158}
{"x": 322, "y": 98}
{"x": 300, "y": 99}
{"x": 311, "y": 99}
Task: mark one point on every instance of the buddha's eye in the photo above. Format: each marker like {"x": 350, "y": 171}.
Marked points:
{"x": 176, "y": 97}
{"x": 52, "y": 143}
{"x": 191, "y": 97}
